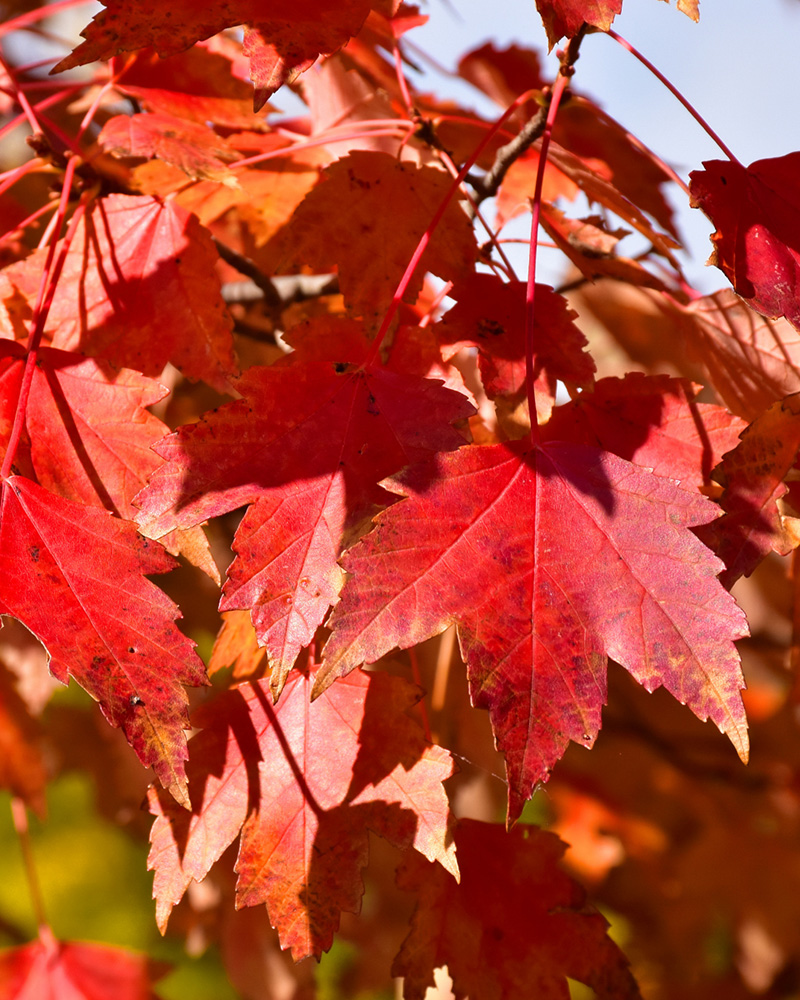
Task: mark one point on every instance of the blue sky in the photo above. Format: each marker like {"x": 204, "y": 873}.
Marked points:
{"x": 739, "y": 66}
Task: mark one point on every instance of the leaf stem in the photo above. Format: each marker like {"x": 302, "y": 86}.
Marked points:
{"x": 40, "y": 106}
{"x": 323, "y": 140}
{"x": 47, "y": 289}
{"x": 475, "y": 206}
{"x": 530, "y": 297}
{"x": 425, "y": 239}
{"x": 20, "y": 97}
{"x": 401, "y": 79}
{"x": 675, "y": 92}
{"x": 32, "y": 16}
{"x": 19, "y": 815}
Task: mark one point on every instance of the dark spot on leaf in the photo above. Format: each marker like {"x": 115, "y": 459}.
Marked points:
{"x": 490, "y": 328}
{"x": 34, "y": 551}
{"x": 339, "y": 367}
{"x": 131, "y": 649}
{"x": 136, "y": 700}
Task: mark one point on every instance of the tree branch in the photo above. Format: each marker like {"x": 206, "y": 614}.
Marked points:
{"x": 486, "y": 187}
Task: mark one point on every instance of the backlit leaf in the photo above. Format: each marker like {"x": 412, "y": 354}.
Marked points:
{"x": 303, "y": 784}
{"x": 74, "y": 576}
{"x": 756, "y": 210}
{"x": 549, "y": 560}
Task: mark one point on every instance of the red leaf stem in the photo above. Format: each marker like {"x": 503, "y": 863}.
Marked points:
{"x": 47, "y": 288}
{"x": 555, "y": 99}
{"x": 437, "y": 217}
{"x": 324, "y": 140}
{"x": 42, "y": 106}
{"x": 493, "y": 238}
{"x": 32, "y": 16}
{"x": 675, "y": 93}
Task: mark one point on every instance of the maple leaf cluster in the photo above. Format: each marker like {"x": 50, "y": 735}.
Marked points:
{"x": 287, "y": 361}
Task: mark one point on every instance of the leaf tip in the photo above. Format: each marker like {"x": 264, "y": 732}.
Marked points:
{"x": 179, "y": 790}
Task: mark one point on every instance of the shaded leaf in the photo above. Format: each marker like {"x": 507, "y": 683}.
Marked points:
{"x": 237, "y": 646}
{"x": 22, "y": 770}
{"x": 753, "y": 476}
{"x": 592, "y": 134}
{"x": 90, "y": 431}
{"x": 518, "y": 186}
{"x": 303, "y": 783}
{"x": 306, "y": 447}
{"x": 653, "y": 421}
{"x": 201, "y": 84}
{"x": 602, "y": 190}
{"x": 753, "y": 362}
{"x": 516, "y": 926}
{"x": 265, "y": 194}
{"x": 89, "y": 435}
{"x": 372, "y": 250}
{"x": 549, "y": 560}
{"x": 489, "y": 314}
{"x": 592, "y": 248}
{"x": 139, "y": 289}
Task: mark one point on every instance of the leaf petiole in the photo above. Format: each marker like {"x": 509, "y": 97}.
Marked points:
{"x": 675, "y": 93}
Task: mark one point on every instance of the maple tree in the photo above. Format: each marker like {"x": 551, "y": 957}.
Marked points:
{"x": 283, "y": 364}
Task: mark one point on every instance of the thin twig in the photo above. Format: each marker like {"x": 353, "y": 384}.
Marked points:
{"x": 246, "y": 267}
{"x": 487, "y": 187}
{"x": 19, "y": 814}
{"x": 290, "y": 288}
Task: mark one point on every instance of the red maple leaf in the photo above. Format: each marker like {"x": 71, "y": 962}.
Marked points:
{"x": 281, "y": 38}
{"x": 89, "y": 430}
{"x": 549, "y": 560}
{"x": 201, "y": 84}
{"x": 89, "y": 434}
{"x": 753, "y": 475}
{"x": 371, "y": 252}
{"x": 75, "y": 577}
{"x": 752, "y": 361}
{"x": 192, "y": 146}
{"x": 303, "y": 784}
{"x": 306, "y": 446}
{"x": 653, "y": 421}
{"x": 139, "y": 289}
{"x": 756, "y": 210}
{"x": 516, "y": 925}
{"x": 72, "y": 970}
{"x": 490, "y": 315}
{"x": 565, "y": 18}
